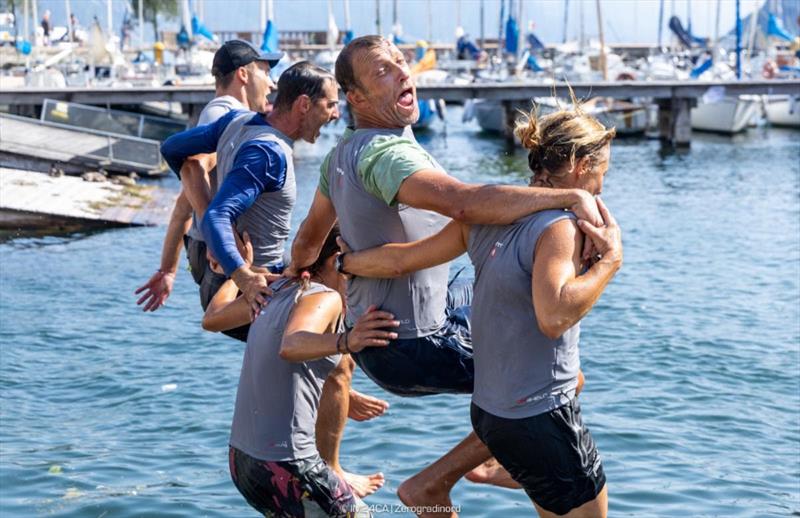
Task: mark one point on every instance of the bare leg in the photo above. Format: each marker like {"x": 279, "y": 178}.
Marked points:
{"x": 597, "y": 508}
{"x": 432, "y": 486}
{"x": 331, "y": 419}
{"x": 493, "y": 473}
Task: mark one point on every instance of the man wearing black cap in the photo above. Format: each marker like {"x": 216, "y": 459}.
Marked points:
{"x": 242, "y": 82}
{"x": 255, "y": 174}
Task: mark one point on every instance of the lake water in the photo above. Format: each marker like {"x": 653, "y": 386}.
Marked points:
{"x": 692, "y": 356}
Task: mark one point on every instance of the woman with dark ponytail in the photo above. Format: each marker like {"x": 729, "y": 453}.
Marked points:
{"x": 530, "y": 275}
{"x": 293, "y": 347}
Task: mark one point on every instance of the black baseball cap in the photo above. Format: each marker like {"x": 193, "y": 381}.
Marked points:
{"x": 238, "y": 53}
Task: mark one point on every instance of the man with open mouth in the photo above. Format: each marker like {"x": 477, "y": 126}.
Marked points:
{"x": 384, "y": 187}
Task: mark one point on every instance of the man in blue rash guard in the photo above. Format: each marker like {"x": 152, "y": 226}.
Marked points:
{"x": 240, "y": 84}
{"x": 255, "y": 172}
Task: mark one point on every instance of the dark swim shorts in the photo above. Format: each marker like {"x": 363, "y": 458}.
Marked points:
{"x": 440, "y": 363}
{"x": 552, "y": 455}
{"x": 291, "y": 488}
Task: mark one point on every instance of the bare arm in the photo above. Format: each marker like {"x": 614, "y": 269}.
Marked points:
{"x": 561, "y": 296}
{"x": 397, "y": 259}
{"x": 196, "y": 182}
{"x": 309, "y": 335}
{"x": 490, "y": 204}
{"x": 311, "y": 234}
{"x": 159, "y": 287}
{"x": 226, "y": 310}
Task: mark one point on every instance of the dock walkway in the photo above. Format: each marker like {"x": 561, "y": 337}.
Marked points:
{"x": 31, "y": 201}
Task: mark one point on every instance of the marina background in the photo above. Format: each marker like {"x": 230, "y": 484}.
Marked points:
{"x": 691, "y": 356}
{"x": 626, "y": 21}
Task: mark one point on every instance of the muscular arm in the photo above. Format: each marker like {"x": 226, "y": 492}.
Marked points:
{"x": 226, "y": 310}
{"x": 312, "y": 316}
{"x": 196, "y": 183}
{"x": 397, "y": 259}
{"x": 312, "y": 233}
{"x": 489, "y": 204}
{"x": 561, "y": 296}
{"x": 159, "y": 287}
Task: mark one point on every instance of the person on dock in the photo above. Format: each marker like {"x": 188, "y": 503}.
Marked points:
{"x": 241, "y": 76}
{"x": 284, "y": 444}
{"x": 527, "y": 371}
{"x": 46, "y": 28}
{"x": 384, "y": 187}
{"x": 255, "y": 175}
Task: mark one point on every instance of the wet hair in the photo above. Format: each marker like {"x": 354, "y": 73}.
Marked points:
{"x": 344, "y": 63}
{"x": 302, "y": 78}
{"x": 329, "y": 248}
{"x": 560, "y": 138}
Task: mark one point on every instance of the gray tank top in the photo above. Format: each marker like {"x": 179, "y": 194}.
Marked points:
{"x": 268, "y": 221}
{"x": 214, "y": 110}
{"x": 417, "y": 300}
{"x": 519, "y": 372}
{"x": 277, "y": 400}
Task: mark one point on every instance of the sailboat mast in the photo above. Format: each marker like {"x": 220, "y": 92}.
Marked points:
{"x": 566, "y": 17}
{"x": 378, "y": 16}
{"x": 483, "y": 17}
{"x": 141, "y": 25}
{"x": 603, "y": 63}
{"x": 109, "y": 23}
{"x": 347, "y": 15}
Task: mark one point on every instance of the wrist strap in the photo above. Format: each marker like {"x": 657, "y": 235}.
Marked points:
{"x": 347, "y": 342}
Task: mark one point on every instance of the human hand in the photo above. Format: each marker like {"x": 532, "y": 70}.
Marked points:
{"x": 255, "y": 288}
{"x": 156, "y": 290}
{"x": 606, "y": 238}
{"x": 370, "y": 330}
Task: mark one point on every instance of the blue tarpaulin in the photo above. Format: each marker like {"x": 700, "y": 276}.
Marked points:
{"x": 512, "y": 35}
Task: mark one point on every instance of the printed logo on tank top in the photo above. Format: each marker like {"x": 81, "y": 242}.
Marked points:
{"x": 497, "y": 245}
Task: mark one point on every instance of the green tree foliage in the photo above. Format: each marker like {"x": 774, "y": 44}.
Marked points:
{"x": 152, "y": 9}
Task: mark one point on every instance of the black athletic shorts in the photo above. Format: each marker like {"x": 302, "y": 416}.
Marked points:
{"x": 552, "y": 455}
{"x": 440, "y": 363}
{"x": 288, "y": 488}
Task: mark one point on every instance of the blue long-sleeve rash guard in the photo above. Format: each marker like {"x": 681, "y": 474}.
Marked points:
{"x": 259, "y": 167}
{"x": 200, "y": 139}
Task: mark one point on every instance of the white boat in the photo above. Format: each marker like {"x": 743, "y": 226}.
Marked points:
{"x": 726, "y": 115}
{"x": 782, "y": 110}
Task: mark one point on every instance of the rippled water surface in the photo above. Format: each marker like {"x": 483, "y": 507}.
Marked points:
{"x": 692, "y": 356}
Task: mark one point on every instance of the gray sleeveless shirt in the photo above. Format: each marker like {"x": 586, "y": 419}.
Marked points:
{"x": 519, "y": 372}
{"x": 277, "y": 400}
{"x": 417, "y": 300}
{"x": 268, "y": 221}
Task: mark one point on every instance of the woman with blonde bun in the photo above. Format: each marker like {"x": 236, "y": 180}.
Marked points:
{"x": 531, "y": 292}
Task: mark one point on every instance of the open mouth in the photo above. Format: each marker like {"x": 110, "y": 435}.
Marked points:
{"x": 406, "y": 98}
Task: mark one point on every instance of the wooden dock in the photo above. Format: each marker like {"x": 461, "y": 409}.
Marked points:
{"x": 37, "y": 201}
{"x": 674, "y": 98}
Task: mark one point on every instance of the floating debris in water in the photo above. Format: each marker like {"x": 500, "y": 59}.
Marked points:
{"x": 55, "y": 469}
{"x": 72, "y": 492}
{"x": 169, "y": 387}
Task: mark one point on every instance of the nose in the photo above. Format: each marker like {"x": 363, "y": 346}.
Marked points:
{"x": 404, "y": 71}
{"x": 335, "y": 115}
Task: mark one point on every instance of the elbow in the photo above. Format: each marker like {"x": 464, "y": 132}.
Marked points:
{"x": 284, "y": 354}
{"x": 209, "y": 324}
{"x": 286, "y": 351}
{"x": 552, "y": 327}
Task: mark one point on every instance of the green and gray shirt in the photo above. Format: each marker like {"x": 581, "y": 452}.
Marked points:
{"x": 361, "y": 176}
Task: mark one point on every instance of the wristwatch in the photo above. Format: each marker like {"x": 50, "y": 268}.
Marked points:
{"x": 340, "y": 264}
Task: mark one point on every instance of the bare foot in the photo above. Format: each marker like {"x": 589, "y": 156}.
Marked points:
{"x": 415, "y": 495}
{"x": 364, "y": 407}
{"x": 363, "y": 485}
{"x": 491, "y": 472}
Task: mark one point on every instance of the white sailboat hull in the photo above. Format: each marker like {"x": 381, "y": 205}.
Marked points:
{"x": 728, "y": 115}
{"x": 783, "y": 110}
